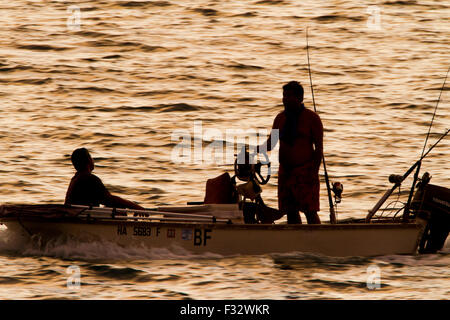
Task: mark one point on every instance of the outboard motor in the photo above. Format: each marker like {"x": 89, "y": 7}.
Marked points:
{"x": 432, "y": 204}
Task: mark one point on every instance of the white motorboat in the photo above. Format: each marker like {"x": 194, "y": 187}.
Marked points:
{"x": 244, "y": 227}
{"x": 223, "y": 236}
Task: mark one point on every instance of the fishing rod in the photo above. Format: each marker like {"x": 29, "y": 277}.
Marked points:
{"x": 416, "y": 175}
{"x": 115, "y": 213}
{"x": 327, "y": 181}
{"x": 435, "y": 109}
{"x": 397, "y": 180}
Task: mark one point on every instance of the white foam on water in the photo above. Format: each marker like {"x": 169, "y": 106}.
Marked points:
{"x": 75, "y": 249}
{"x": 11, "y": 241}
{"x": 106, "y": 250}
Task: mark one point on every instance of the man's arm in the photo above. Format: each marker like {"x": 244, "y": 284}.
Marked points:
{"x": 273, "y": 138}
{"x": 317, "y": 137}
{"x": 118, "y": 202}
{"x": 68, "y": 199}
{"x": 114, "y": 201}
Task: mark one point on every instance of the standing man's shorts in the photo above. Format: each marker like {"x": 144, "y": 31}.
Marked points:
{"x": 298, "y": 189}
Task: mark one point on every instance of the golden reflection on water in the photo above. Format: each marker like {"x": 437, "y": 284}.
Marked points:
{"x": 136, "y": 72}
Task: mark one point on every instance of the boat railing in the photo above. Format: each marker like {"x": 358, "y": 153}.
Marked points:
{"x": 145, "y": 215}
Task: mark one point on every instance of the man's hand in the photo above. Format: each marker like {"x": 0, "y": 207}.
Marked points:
{"x": 141, "y": 214}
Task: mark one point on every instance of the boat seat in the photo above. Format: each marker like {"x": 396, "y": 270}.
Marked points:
{"x": 220, "y": 190}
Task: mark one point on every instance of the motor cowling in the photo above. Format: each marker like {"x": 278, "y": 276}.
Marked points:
{"x": 432, "y": 204}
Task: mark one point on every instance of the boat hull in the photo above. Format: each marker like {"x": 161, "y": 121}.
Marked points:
{"x": 353, "y": 239}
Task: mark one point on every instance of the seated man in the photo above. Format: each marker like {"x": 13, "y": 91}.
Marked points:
{"x": 87, "y": 189}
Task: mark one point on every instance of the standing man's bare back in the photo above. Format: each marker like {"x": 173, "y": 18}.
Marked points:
{"x": 309, "y": 135}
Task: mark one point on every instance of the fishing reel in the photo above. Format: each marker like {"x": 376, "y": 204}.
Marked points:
{"x": 396, "y": 179}
{"x": 338, "y": 188}
{"x": 424, "y": 181}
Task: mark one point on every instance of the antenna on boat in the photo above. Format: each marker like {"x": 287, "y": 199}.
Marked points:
{"x": 330, "y": 201}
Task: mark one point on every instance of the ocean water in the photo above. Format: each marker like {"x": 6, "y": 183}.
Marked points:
{"x": 126, "y": 78}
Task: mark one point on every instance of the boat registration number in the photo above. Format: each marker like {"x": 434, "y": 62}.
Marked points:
{"x": 199, "y": 237}
{"x": 142, "y": 231}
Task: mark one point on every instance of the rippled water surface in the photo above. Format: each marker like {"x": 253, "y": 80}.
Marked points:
{"x": 137, "y": 71}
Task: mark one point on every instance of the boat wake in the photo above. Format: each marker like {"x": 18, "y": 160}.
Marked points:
{"x": 93, "y": 251}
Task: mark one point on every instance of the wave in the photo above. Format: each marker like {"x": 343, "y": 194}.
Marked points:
{"x": 15, "y": 68}
{"x": 241, "y": 66}
{"x": 93, "y": 34}
{"x": 113, "y": 109}
{"x": 247, "y": 14}
{"x": 128, "y": 273}
{"x": 152, "y": 93}
{"x": 438, "y": 89}
{"x": 42, "y": 47}
{"x": 35, "y": 81}
{"x": 147, "y": 48}
{"x": 140, "y": 4}
{"x": 397, "y": 105}
{"x": 139, "y": 108}
{"x": 303, "y": 258}
{"x": 400, "y": 2}
{"x": 124, "y": 44}
{"x": 178, "y": 107}
{"x": 334, "y": 17}
{"x": 113, "y": 56}
{"x": 271, "y": 2}
{"x": 96, "y": 89}
{"x": 208, "y": 12}
{"x": 115, "y": 272}
{"x": 9, "y": 280}
{"x": 28, "y": 81}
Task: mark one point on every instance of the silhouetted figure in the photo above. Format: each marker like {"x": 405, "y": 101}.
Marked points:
{"x": 301, "y": 148}
{"x": 87, "y": 189}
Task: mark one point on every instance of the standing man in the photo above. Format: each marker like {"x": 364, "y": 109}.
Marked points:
{"x": 301, "y": 149}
